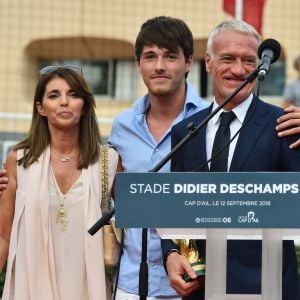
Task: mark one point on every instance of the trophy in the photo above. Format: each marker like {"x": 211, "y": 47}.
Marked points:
{"x": 188, "y": 248}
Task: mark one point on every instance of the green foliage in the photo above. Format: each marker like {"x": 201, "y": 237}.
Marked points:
{"x": 2, "y": 276}
{"x": 110, "y": 273}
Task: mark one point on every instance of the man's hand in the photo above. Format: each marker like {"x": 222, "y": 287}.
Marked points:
{"x": 289, "y": 124}
{"x": 177, "y": 265}
{"x": 3, "y": 180}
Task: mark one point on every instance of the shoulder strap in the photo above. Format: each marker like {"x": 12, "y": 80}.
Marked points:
{"x": 105, "y": 201}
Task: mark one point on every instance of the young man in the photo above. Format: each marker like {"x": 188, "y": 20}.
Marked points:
{"x": 231, "y": 56}
{"x": 141, "y": 135}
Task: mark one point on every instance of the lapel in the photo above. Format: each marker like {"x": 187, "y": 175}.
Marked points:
{"x": 251, "y": 131}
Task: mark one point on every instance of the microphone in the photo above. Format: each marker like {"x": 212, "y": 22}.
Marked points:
{"x": 101, "y": 222}
{"x": 268, "y": 52}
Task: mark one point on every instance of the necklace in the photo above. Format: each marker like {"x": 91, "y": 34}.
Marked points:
{"x": 61, "y": 215}
{"x": 64, "y": 158}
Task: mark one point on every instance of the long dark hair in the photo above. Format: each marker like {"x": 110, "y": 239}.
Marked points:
{"x": 39, "y": 135}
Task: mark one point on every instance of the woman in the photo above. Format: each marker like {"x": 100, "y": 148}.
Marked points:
{"x": 53, "y": 196}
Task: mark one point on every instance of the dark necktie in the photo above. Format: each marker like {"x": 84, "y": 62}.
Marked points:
{"x": 220, "y": 160}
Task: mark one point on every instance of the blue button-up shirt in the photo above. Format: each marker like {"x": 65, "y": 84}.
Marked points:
{"x": 140, "y": 152}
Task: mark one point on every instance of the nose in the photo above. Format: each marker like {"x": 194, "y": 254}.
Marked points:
{"x": 160, "y": 64}
{"x": 64, "y": 100}
{"x": 238, "y": 68}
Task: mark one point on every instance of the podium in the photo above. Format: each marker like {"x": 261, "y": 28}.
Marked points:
{"x": 224, "y": 207}
{"x": 216, "y": 246}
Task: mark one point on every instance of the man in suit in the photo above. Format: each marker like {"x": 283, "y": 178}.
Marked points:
{"x": 231, "y": 56}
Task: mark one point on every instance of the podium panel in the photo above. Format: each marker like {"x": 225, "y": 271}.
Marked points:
{"x": 217, "y": 207}
{"x": 208, "y": 200}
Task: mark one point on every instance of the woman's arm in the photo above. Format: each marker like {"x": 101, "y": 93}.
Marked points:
{"x": 7, "y": 207}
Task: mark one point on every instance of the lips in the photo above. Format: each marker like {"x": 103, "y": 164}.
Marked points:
{"x": 160, "y": 77}
{"x": 234, "y": 79}
{"x": 64, "y": 114}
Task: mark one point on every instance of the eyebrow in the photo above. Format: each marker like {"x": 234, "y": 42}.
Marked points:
{"x": 148, "y": 52}
{"x": 58, "y": 91}
{"x": 52, "y": 91}
{"x": 165, "y": 50}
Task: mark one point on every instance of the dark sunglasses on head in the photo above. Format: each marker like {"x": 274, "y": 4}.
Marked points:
{"x": 50, "y": 69}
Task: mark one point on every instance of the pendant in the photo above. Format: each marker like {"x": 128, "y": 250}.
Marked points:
{"x": 65, "y": 159}
{"x": 62, "y": 216}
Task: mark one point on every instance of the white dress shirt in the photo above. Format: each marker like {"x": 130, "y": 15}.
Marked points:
{"x": 213, "y": 125}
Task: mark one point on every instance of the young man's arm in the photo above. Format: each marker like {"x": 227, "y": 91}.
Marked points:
{"x": 7, "y": 207}
{"x": 289, "y": 124}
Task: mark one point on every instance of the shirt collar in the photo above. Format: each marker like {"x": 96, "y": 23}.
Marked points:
{"x": 191, "y": 99}
{"x": 240, "y": 110}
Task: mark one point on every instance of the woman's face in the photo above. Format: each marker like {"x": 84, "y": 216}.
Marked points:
{"x": 60, "y": 105}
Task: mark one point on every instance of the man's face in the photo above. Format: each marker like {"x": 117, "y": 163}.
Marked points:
{"x": 163, "y": 70}
{"x": 234, "y": 58}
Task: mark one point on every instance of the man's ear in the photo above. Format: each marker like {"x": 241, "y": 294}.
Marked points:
{"x": 40, "y": 108}
{"x": 137, "y": 64}
{"x": 189, "y": 64}
{"x": 208, "y": 61}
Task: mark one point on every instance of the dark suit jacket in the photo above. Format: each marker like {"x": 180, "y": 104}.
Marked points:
{"x": 258, "y": 149}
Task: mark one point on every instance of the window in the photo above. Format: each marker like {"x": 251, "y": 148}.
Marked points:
{"x": 273, "y": 84}
{"x": 116, "y": 79}
{"x": 99, "y": 76}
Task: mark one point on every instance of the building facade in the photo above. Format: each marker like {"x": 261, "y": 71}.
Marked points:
{"x": 99, "y": 35}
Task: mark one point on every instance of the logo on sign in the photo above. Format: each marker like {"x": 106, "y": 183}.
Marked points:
{"x": 250, "y": 218}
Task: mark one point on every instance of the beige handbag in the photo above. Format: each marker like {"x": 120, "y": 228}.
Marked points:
{"x": 111, "y": 235}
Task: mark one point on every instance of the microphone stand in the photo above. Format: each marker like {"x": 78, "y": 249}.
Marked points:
{"x": 143, "y": 274}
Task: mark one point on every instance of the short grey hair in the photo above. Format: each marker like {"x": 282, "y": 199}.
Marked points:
{"x": 234, "y": 25}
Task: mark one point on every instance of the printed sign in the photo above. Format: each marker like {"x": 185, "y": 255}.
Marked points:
{"x": 208, "y": 200}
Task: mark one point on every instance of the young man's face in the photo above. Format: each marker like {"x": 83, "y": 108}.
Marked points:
{"x": 234, "y": 58}
{"x": 163, "y": 71}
